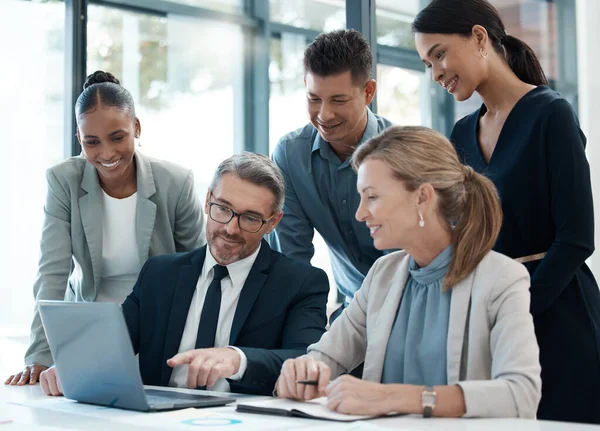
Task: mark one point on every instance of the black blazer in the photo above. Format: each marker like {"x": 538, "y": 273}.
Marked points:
{"x": 281, "y": 311}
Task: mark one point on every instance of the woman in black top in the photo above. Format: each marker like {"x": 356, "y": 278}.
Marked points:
{"x": 526, "y": 139}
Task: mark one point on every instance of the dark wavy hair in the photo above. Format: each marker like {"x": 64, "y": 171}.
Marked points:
{"x": 337, "y": 52}
{"x": 459, "y": 17}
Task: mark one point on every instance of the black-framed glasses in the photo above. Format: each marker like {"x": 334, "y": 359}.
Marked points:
{"x": 246, "y": 221}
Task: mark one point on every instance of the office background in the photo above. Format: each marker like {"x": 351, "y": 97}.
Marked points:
{"x": 213, "y": 77}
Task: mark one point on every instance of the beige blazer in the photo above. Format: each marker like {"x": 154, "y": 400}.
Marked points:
{"x": 169, "y": 218}
{"x": 492, "y": 352}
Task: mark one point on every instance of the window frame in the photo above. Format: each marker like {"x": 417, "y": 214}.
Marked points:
{"x": 259, "y": 30}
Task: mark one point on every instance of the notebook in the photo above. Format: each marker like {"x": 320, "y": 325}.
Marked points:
{"x": 313, "y": 409}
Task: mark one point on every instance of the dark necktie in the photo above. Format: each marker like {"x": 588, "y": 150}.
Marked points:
{"x": 207, "y": 329}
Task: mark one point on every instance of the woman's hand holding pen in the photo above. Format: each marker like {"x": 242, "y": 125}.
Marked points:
{"x": 303, "y": 379}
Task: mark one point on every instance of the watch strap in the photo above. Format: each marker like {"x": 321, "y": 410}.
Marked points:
{"x": 428, "y": 401}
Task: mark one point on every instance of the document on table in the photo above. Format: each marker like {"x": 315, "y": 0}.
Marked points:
{"x": 354, "y": 426}
{"x": 209, "y": 419}
{"x": 313, "y": 409}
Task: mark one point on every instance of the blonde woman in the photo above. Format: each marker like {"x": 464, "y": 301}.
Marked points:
{"x": 443, "y": 327}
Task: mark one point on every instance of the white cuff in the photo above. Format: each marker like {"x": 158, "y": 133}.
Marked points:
{"x": 243, "y": 365}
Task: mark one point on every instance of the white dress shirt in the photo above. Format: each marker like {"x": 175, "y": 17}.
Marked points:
{"x": 120, "y": 259}
{"x": 231, "y": 287}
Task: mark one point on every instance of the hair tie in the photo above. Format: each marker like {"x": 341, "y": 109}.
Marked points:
{"x": 468, "y": 173}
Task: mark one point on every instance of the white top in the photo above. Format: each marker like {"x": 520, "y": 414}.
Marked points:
{"x": 231, "y": 287}
{"x": 120, "y": 258}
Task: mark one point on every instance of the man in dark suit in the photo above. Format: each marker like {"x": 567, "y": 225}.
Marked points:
{"x": 227, "y": 315}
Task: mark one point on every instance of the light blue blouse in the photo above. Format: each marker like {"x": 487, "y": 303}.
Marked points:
{"x": 416, "y": 350}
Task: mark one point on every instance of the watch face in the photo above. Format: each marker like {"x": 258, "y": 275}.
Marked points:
{"x": 428, "y": 399}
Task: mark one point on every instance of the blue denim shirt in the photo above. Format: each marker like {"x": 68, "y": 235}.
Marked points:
{"x": 321, "y": 194}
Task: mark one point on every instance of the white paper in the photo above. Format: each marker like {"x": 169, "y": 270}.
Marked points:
{"x": 19, "y": 426}
{"x": 317, "y": 408}
{"x": 354, "y": 426}
{"x": 209, "y": 419}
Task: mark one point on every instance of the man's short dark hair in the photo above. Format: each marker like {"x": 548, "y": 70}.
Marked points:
{"x": 338, "y": 52}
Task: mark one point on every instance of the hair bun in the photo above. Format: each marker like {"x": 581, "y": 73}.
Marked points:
{"x": 98, "y": 77}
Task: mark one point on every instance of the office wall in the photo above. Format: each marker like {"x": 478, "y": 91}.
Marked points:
{"x": 588, "y": 33}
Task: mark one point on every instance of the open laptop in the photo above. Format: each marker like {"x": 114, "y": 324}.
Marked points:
{"x": 94, "y": 358}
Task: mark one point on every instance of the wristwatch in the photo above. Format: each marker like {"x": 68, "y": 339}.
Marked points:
{"x": 428, "y": 401}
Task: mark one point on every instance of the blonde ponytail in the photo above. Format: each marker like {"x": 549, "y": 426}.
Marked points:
{"x": 477, "y": 227}
{"x": 467, "y": 200}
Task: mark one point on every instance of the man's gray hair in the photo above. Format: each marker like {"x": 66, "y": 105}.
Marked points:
{"x": 257, "y": 169}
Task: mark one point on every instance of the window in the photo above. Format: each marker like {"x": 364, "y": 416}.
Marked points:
{"x": 287, "y": 103}
{"x": 189, "y": 96}
{"x": 235, "y": 6}
{"x": 32, "y": 123}
{"x": 393, "y": 22}
{"x": 399, "y": 95}
{"x": 320, "y": 15}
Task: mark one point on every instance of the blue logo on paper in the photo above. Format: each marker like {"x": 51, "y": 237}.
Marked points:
{"x": 211, "y": 422}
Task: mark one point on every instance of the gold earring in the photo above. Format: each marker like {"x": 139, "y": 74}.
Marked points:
{"x": 483, "y": 53}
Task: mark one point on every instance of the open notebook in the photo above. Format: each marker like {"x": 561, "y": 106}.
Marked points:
{"x": 313, "y": 409}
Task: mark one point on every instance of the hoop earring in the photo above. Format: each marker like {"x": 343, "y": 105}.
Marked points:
{"x": 483, "y": 53}
{"x": 421, "y": 221}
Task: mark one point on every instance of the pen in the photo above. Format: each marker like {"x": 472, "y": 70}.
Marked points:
{"x": 308, "y": 382}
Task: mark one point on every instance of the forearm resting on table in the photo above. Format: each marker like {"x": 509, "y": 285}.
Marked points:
{"x": 450, "y": 400}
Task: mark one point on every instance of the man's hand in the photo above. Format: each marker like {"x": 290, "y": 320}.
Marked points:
{"x": 29, "y": 376}
{"x": 50, "y": 382}
{"x": 207, "y": 365}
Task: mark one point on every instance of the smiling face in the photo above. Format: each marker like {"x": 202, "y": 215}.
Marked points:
{"x": 455, "y": 61}
{"x": 337, "y": 107}
{"x": 389, "y": 210}
{"x": 107, "y": 138}
{"x": 228, "y": 243}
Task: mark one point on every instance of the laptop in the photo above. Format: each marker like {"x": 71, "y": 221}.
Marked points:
{"x": 94, "y": 358}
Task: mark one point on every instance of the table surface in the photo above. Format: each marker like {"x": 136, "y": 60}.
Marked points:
{"x": 29, "y": 409}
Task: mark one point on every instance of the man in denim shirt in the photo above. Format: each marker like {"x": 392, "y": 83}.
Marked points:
{"x": 315, "y": 160}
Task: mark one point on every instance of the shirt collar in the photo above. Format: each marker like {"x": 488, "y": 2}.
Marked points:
{"x": 325, "y": 149}
{"x": 238, "y": 271}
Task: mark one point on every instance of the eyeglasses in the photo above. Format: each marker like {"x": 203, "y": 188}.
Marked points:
{"x": 247, "y": 222}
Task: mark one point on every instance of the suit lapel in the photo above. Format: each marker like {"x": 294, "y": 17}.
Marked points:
{"x": 188, "y": 279}
{"x": 90, "y": 207}
{"x": 378, "y": 336}
{"x": 459, "y": 311}
{"x": 145, "y": 213}
{"x": 252, "y": 287}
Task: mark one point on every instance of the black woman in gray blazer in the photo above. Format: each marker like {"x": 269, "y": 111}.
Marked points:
{"x": 165, "y": 215}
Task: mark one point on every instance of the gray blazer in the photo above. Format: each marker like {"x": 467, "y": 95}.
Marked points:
{"x": 492, "y": 352}
{"x": 169, "y": 218}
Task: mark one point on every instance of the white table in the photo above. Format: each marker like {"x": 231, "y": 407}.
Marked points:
{"x": 75, "y": 416}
